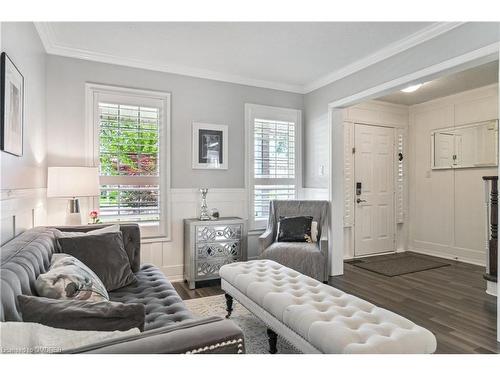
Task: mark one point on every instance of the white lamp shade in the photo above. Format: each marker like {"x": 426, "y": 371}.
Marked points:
{"x": 68, "y": 182}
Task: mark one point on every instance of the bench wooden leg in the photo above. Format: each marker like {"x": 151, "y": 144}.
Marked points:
{"x": 229, "y": 305}
{"x": 273, "y": 340}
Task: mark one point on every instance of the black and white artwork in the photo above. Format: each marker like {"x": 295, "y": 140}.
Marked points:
{"x": 209, "y": 146}
{"x": 11, "y": 107}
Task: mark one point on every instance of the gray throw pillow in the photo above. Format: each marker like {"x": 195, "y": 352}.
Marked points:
{"x": 82, "y": 315}
{"x": 105, "y": 255}
{"x": 68, "y": 278}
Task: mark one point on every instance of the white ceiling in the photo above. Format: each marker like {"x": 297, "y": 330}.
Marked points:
{"x": 292, "y": 56}
{"x": 469, "y": 79}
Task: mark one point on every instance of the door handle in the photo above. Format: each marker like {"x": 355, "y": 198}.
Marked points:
{"x": 359, "y": 200}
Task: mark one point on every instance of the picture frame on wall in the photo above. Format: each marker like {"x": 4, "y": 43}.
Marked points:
{"x": 210, "y": 146}
{"x": 11, "y": 107}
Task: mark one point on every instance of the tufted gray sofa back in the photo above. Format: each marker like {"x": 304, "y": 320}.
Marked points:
{"x": 28, "y": 255}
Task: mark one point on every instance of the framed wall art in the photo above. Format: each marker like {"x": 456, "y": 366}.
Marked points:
{"x": 210, "y": 146}
{"x": 11, "y": 107}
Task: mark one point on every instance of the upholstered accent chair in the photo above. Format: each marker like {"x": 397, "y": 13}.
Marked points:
{"x": 311, "y": 259}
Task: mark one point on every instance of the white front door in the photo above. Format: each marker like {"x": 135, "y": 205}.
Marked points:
{"x": 374, "y": 183}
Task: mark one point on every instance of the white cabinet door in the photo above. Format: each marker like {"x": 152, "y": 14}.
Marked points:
{"x": 374, "y": 170}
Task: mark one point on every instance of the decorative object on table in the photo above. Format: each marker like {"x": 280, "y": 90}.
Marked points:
{"x": 204, "y": 207}
{"x": 208, "y": 245}
{"x": 210, "y": 146}
{"x": 214, "y": 214}
{"x": 94, "y": 217}
{"x": 11, "y": 107}
{"x": 72, "y": 182}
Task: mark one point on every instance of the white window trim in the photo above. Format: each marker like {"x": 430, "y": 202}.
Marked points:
{"x": 92, "y": 147}
{"x": 253, "y": 111}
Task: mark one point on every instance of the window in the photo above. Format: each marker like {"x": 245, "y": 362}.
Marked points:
{"x": 273, "y": 166}
{"x": 130, "y": 145}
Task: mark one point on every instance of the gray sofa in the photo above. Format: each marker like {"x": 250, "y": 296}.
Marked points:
{"x": 169, "y": 326}
{"x": 311, "y": 259}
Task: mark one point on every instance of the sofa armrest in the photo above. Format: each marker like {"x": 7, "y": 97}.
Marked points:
{"x": 205, "y": 335}
{"x": 265, "y": 240}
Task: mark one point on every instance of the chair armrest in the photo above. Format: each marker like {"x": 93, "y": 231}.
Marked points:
{"x": 265, "y": 240}
{"x": 206, "y": 335}
{"x": 323, "y": 245}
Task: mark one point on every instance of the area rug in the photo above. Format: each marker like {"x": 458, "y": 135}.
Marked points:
{"x": 398, "y": 264}
{"x": 253, "y": 329}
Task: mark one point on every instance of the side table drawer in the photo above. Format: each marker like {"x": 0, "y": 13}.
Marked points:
{"x": 210, "y": 268}
{"x": 212, "y": 250}
{"x": 214, "y": 232}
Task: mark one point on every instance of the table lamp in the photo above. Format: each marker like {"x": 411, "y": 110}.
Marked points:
{"x": 72, "y": 182}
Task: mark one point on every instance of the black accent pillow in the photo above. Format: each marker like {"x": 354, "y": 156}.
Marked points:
{"x": 295, "y": 229}
{"x": 105, "y": 255}
{"x": 82, "y": 315}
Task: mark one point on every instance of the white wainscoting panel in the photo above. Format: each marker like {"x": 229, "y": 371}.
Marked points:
{"x": 168, "y": 255}
{"x": 21, "y": 209}
{"x": 447, "y": 213}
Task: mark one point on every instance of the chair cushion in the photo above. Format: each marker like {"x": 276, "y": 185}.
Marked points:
{"x": 329, "y": 319}
{"x": 163, "y": 305}
{"x": 300, "y": 256}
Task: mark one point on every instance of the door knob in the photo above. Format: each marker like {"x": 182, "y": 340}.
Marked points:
{"x": 359, "y": 200}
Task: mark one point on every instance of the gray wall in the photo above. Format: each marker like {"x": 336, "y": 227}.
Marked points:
{"x": 468, "y": 37}
{"x": 193, "y": 99}
{"x": 21, "y": 42}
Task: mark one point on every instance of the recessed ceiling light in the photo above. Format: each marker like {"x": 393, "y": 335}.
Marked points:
{"x": 412, "y": 88}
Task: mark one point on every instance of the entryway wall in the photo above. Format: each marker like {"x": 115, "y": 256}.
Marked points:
{"x": 447, "y": 207}
{"x": 376, "y": 113}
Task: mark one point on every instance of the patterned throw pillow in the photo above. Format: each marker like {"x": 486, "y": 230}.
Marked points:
{"x": 69, "y": 278}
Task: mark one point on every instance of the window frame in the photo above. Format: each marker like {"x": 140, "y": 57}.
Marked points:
{"x": 255, "y": 111}
{"x": 125, "y": 95}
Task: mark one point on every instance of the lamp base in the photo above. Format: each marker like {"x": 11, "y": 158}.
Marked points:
{"x": 73, "y": 216}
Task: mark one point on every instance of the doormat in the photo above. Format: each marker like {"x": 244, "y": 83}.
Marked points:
{"x": 398, "y": 265}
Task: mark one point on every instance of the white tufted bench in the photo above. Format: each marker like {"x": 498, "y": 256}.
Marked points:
{"x": 315, "y": 317}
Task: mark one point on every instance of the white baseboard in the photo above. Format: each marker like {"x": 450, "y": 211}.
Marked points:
{"x": 447, "y": 256}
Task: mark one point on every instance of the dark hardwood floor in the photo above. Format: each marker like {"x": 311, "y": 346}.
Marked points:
{"x": 449, "y": 301}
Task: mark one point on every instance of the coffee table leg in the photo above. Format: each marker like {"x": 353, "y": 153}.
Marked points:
{"x": 229, "y": 305}
{"x": 273, "y": 340}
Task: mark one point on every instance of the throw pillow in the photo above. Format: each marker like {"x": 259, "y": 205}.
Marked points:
{"x": 115, "y": 228}
{"x": 68, "y": 278}
{"x": 295, "y": 229}
{"x": 314, "y": 231}
{"x": 82, "y": 315}
{"x": 105, "y": 254}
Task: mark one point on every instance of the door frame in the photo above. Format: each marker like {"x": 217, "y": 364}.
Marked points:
{"x": 394, "y": 224}
{"x": 336, "y": 140}
{"x": 336, "y": 135}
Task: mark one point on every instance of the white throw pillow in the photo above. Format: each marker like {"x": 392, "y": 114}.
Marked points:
{"x": 34, "y": 338}
{"x": 115, "y": 228}
{"x": 314, "y": 231}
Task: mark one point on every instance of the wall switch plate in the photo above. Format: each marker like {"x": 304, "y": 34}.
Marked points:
{"x": 321, "y": 170}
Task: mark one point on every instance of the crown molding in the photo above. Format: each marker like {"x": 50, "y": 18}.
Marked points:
{"x": 395, "y": 48}
{"x": 47, "y": 35}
